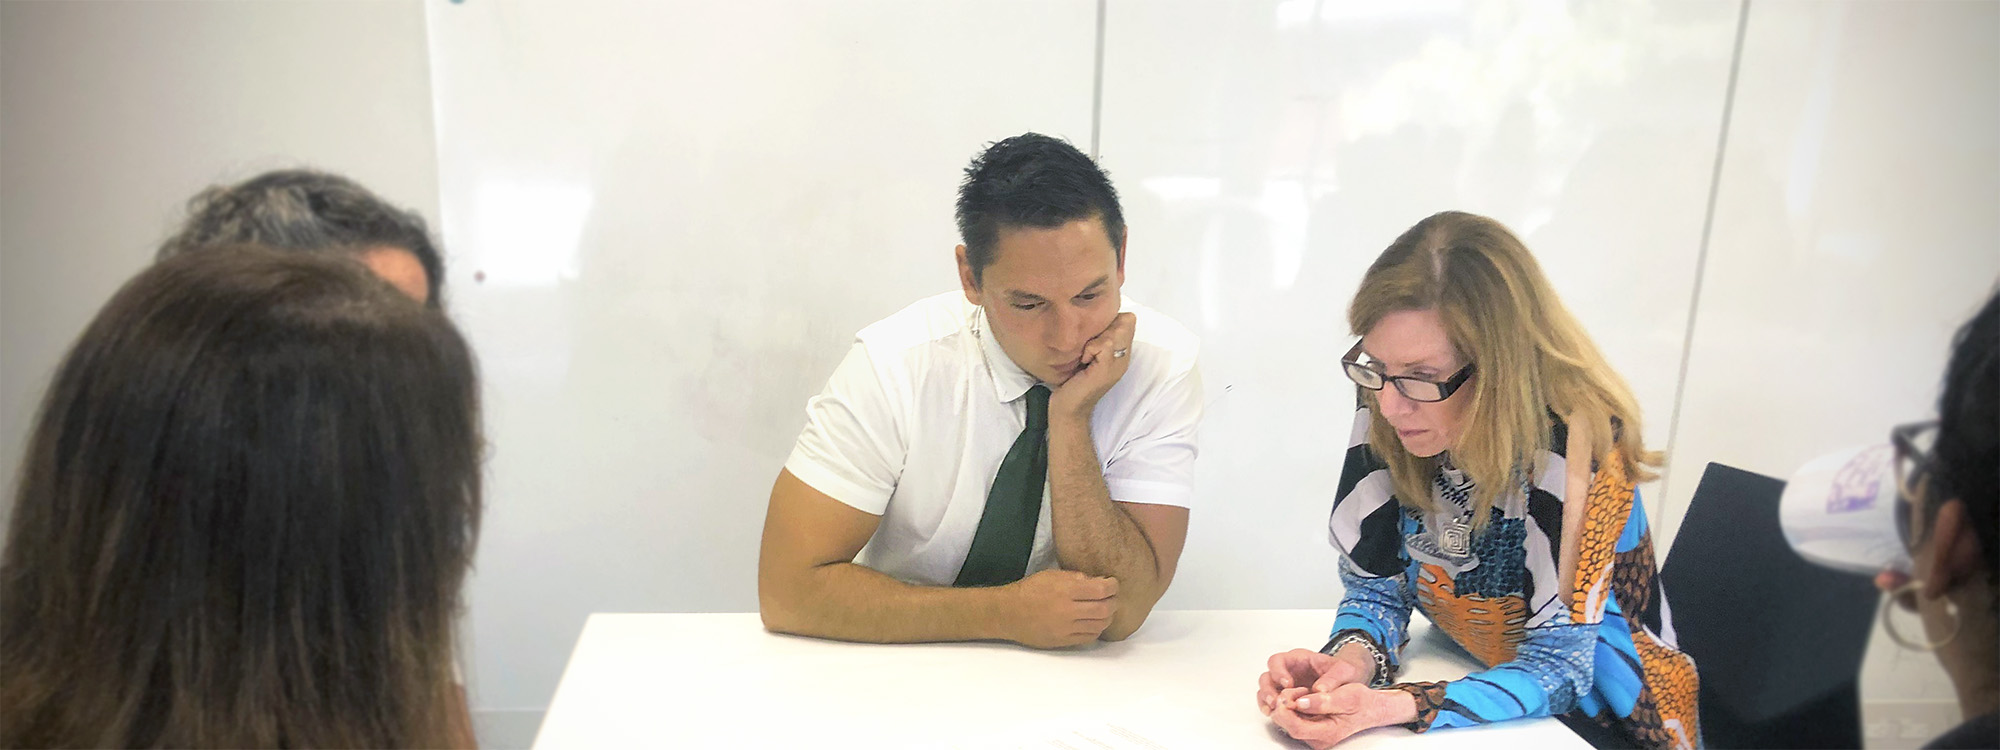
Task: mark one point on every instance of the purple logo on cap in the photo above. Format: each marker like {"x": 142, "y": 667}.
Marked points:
{"x": 1855, "y": 485}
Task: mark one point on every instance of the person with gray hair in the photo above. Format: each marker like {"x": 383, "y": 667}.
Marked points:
{"x": 314, "y": 211}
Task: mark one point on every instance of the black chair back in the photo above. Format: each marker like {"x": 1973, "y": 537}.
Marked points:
{"x": 1777, "y": 641}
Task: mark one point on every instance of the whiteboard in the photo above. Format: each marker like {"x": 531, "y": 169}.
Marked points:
{"x": 1853, "y": 235}
{"x": 667, "y": 220}
{"x": 1262, "y": 176}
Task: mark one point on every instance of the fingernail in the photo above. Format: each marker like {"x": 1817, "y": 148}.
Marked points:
{"x": 1305, "y": 703}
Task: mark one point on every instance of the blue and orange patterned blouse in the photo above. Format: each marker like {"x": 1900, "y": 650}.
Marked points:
{"x": 1605, "y": 656}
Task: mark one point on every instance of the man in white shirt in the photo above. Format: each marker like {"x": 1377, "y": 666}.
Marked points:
{"x": 1012, "y": 461}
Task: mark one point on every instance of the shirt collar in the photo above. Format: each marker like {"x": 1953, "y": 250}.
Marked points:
{"x": 1009, "y": 380}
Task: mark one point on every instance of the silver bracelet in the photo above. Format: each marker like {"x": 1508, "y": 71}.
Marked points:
{"x": 1380, "y": 678}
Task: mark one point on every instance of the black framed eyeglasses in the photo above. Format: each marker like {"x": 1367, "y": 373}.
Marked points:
{"x": 1913, "y": 444}
{"x": 1412, "y": 388}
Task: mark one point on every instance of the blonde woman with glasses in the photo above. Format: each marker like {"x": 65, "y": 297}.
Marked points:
{"x": 1490, "y": 482}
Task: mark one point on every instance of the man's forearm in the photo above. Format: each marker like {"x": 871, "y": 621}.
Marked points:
{"x": 850, "y": 602}
{"x": 1092, "y": 534}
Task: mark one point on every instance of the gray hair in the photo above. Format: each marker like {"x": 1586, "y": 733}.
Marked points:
{"x": 308, "y": 210}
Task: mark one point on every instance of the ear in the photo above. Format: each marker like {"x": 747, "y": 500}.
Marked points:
{"x": 965, "y": 277}
{"x": 1954, "y": 550}
{"x": 1122, "y": 242}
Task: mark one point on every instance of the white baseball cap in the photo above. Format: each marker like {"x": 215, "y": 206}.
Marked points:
{"x": 1840, "y": 511}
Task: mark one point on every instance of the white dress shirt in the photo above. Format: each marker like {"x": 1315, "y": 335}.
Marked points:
{"x": 914, "y": 422}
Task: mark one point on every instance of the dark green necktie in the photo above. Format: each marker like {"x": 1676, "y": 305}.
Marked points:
{"x": 1006, "y": 534}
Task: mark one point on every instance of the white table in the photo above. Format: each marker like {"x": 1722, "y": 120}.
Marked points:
{"x": 1186, "y": 680}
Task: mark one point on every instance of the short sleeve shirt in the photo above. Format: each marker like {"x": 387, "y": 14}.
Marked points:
{"x": 914, "y": 422}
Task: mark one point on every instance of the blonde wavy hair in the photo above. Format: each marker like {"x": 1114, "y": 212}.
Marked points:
{"x": 1530, "y": 356}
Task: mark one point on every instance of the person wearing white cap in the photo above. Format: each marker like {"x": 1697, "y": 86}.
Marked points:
{"x": 1490, "y": 481}
{"x": 1922, "y": 513}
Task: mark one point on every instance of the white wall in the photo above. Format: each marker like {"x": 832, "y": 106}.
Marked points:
{"x": 113, "y": 114}
{"x": 1855, "y": 230}
{"x": 672, "y": 218}
{"x": 722, "y": 193}
{"x": 1262, "y": 176}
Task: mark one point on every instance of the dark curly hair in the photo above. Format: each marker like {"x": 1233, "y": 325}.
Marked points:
{"x": 1966, "y": 457}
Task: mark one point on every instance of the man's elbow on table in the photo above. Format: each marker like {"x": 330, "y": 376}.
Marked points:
{"x": 1165, "y": 530}
{"x": 772, "y": 608}
{"x": 1122, "y": 628}
{"x": 781, "y": 600}
{"x": 805, "y": 531}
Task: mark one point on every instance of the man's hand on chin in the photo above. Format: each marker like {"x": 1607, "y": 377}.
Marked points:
{"x": 1105, "y": 359}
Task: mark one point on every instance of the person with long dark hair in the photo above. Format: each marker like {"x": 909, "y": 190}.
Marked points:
{"x": 244, "y": 516}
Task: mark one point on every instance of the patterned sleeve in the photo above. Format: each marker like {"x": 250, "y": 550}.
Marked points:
{"x": 1552, "y": 667}
{"x": 1366, "y": 527}
{"x": 1378, "y": 607}
{"x": 1549, "y": 673}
